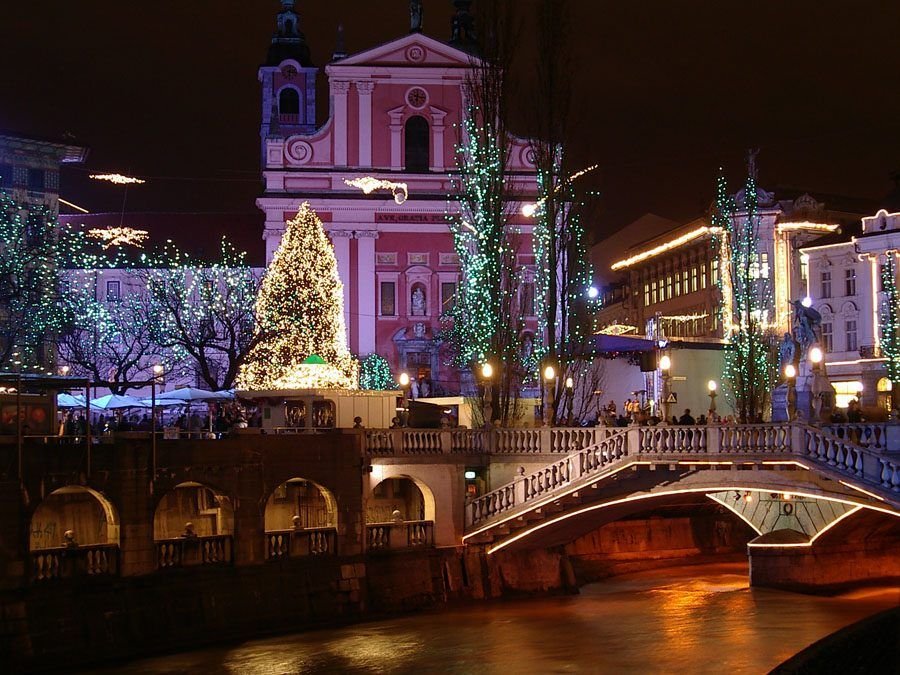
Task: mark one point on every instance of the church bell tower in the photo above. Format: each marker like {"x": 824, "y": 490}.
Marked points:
{"x": 288, "y": 79}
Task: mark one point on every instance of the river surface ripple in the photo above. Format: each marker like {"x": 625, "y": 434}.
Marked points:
{"x": 703, "y": 619}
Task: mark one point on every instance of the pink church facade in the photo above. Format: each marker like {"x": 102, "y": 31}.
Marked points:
{"x": 395, "y": 113}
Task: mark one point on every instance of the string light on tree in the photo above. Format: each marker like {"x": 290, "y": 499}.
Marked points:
{"x": 375, "y": 374}
{"x": 890, "y": 322}
{"x": 528, "y": 210}
{"x": 301, "y": 309}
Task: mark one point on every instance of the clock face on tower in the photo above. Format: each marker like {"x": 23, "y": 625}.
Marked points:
{"x": 416, "y": 97}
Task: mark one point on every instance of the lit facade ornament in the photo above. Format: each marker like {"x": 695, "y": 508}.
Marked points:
{"x": 665, "y": 247}
{"x": 618, "y": 329}
{"x": 369, "y": 184}
{"x": 806, "y": 226}
{"x": 117, "y": 179}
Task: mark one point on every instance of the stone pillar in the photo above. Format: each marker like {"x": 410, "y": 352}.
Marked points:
{"x": 365, "y": 291}
{"x": 339, "y": 91}
{"x": 437, "y": 139}
{"x": 341, "y": 241}
{"x": 396, "y": 127}
{"x": 364, "y": 90}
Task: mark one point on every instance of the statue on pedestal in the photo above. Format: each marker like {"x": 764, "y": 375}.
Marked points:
{"x": 807, "y": 326}
{"x": 787, "y": 352}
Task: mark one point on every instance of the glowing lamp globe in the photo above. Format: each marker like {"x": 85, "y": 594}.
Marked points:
{"x": 593, "y": 292}
{"x": 665, "y": 362}
{"x": 806, "y": 302}
{"x": 790, "y": 371}
{"x": 570, "y": 383}
{"x": 712, "y": 385}
{"x": 487, "y": 371}
{"x": 816, "y": 355}
{"x": 404, "y": 380}
{"x": 549, "y": 373}
{"x": 528, "y": 210}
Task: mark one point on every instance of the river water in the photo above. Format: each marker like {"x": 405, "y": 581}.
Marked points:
{"x": 687, "y": 620}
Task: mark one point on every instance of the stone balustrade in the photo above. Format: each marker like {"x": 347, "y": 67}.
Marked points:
{"x": 833, "y": 446}
{"x": 879, "y": 435}
{"x": 313, "y": 541}
{"x": 559, "y": 440}
{"x": 65, "y": 563}
{"x": 194, "y": 551}
{"x": 400, "y": 535}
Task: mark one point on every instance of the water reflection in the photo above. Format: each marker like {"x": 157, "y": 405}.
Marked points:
{"x": 699, "y": 620}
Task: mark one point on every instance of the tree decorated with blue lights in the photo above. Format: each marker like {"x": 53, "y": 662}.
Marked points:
{"x": 375, "y": 374}
{"x": 485, "y": 325}
{"x": 749, "y": 370}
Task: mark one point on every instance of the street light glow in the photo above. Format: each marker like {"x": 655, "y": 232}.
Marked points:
{"x": 790, "y": 371}
{"x": 816, "y": 355}
{"x": 665, "y": 362}
{"x": 487, "y": 371}
{"x": 570, "y": 383}
{"x": 549, "y": 373}
{"x": 593, "y": 292}
{"x": 712, "y": 385}
{"x": 404, "y": 380}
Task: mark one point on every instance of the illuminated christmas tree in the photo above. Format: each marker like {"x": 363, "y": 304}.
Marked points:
{"x": 890, "y": 325}
{"x": 300, "y": 309}
{"x": 375, "y": 374}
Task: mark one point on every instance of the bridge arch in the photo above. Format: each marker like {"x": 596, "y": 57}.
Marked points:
{"x": 311, "y": 504}
{"x": 87, "y": 513}
{"x": 208, "y": 510}
{"x": 409, "y": 495}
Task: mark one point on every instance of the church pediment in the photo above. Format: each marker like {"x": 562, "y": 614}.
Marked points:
{"x": 415, "y": 49}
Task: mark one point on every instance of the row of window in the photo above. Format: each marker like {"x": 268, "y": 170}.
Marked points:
{"x": 36, "y": 180}
{"x": 825, "y": 288}
{"x": 418, "y": 298}
{"x": 688, "y": 280}
{"x": 851, "y": 342}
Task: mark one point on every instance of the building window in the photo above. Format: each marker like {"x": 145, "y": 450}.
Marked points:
{"x": 677, "y": 284}
{"x": 685, "y": 281}
{"x": 714, "y": 271}
{"x": 388, "y": 298}
{"x": 804, "y": 268}
{"x": 702, "y": 276}
{"x": 844, "y": 392}
{"x": 669, "y": 287}
{"x": 850, "y": 281}
{"x": 694, "y": 285}
{"x": 6, "y": 175}
{"x": 826, "y": 285}
{"x": 654, "y": 296}
{"x": 527, "y": 299}
{"x": 764, "y": 266}
{"x": 827, "y": 336}
{"x": 646, "y": 294}
{"x": 417, "y": 139}
{"x": 884, "y": 386}
{"x": 113, "y": 291}
{"x": 36, "y": 180}
{"x": 448, "y": 296}
{"x": 289, "y": 106}
{"x": 850, "y": 327}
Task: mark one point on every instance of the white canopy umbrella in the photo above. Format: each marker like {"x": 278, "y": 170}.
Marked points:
{"x": 64, "y": 400}
{"x": 189, "y": 395}
{"x": 115, "y": 402}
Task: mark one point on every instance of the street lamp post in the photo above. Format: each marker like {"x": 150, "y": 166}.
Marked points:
{"x": 404, "y": 385}
{"x": 712, "y": 386}
{"x": 570, "y": 396}
{"x": 487, "y": 376}
{"x": 790, "y": 376}
{"x": 665, "y": 363}
{"x": 157, "y": 374}
{"x": 549, "y": 382}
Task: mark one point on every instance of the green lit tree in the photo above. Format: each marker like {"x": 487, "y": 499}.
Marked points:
{"x": 750, "y": 365}
{"x": 375, "y": 374}
{"x": 890, "y": 325}
{"x": 203, "y": 312}
{"x": 486, "y": 321}
{"x": 563, "y": 270}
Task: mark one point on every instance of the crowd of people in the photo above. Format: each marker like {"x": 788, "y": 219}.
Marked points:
{"x": 634, "y": 412}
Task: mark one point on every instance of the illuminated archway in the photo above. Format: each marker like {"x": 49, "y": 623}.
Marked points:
{"x": 87, "y": 513}
{"x": 411, "y": 497}
{"x": 310, "y": 503}
{"x": 208, "y": 512}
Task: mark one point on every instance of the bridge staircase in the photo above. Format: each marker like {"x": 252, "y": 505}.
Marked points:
{"x": 858, "y": 463}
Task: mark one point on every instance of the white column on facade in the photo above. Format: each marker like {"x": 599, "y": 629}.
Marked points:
{"x": 364, "y": 90}
{"x": 396, "y": 126}
{"x": 366, "y": 289}
{"x": 341, "y": 240}
{"x": 437, "y": 139}
{"x": 339, "y": 91}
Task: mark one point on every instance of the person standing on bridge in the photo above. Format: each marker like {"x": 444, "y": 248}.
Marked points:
{"x": 686, "y": 419}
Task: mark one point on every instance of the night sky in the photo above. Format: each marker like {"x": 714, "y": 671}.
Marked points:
{"x": 666, "y": 93}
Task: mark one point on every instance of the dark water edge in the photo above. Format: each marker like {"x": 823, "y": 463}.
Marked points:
{"x": 700, "y": 619}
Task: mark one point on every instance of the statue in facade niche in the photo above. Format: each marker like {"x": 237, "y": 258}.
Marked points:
{"x": 418, "y": 302}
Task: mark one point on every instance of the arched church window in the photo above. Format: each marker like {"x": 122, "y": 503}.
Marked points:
{"x": 417, "y": 139}
{"x": 289, "y": 103}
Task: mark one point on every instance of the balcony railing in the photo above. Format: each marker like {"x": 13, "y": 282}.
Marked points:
{"x": 194, "y": 551}
{"x": 66, "y": 563}
{"x": 406, "y": 534}
{"x": 314, "y": 541}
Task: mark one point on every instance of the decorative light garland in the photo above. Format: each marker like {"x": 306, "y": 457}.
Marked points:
{"x": 119, "y": 236}
{"x": 618, "y": 329}
{"x": 665, "y": 247}
{"x": 807, "y": 227}
{"x": 117, "y": 179}
{"x": 369, "y": 184}
{"x": 528, "y": 210}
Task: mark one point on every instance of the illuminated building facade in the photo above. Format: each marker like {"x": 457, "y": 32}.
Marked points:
{"x": 395, "y": 112}
{"x": 846, "y": 285}
{"x": 668, "y": 285}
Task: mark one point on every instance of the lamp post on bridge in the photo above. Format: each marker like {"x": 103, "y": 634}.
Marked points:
{"x": 549, "y": 387}
{"x": 665, "y": 364}
{"x": 487, "y": 383}
{"x": 403, "y": 380}
{"x": 712, "y": 386}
